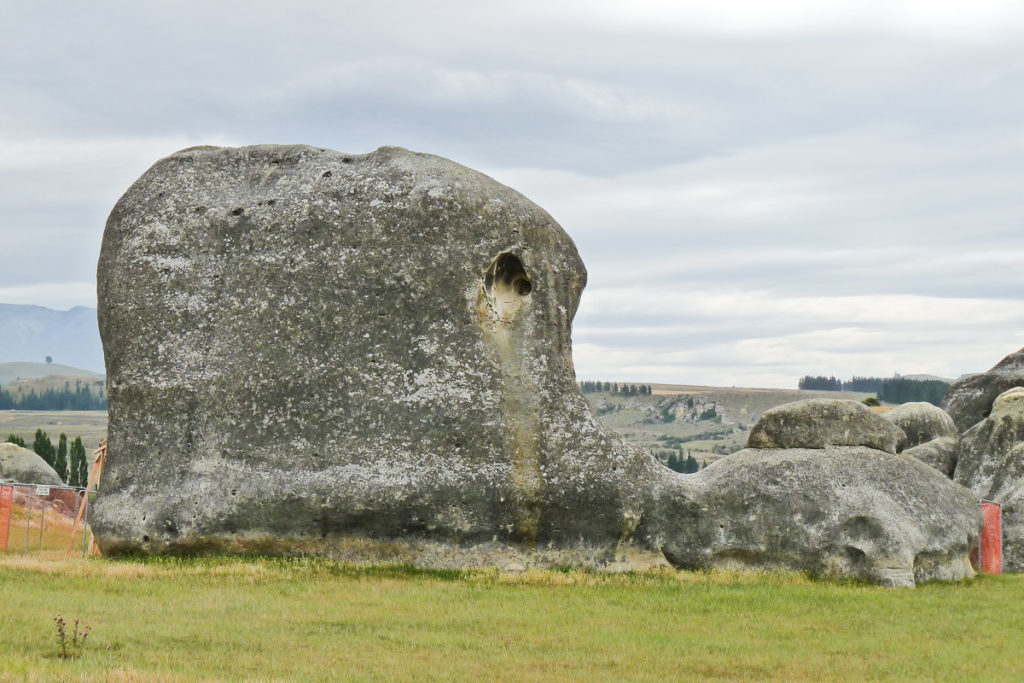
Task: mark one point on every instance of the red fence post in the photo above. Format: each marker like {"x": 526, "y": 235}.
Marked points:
{"x": 991, "y": 541}
{"x": 6, "y": 503}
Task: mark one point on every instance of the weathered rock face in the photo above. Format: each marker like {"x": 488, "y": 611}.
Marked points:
{"x": 932, "y": 437}
{"x": 992, "y": 465}
{"x": 369, "y": 357}
{"x": 838, "y": 511}
{"x": 969, "y": 399}
{"x": 304, "y": 346}
{"x": 821, "y": 422}
{"x": 21, "y": 465}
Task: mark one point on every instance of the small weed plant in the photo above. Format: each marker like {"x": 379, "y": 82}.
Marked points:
{"x": 70, "y": 646}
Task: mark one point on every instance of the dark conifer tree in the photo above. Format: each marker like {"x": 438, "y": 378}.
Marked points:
{"x": 44, "y": 447}
{"x": 60, "y": 460}
{"x": 79, "y": 475}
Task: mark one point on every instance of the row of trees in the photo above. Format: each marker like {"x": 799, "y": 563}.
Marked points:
{"x": 900, "y": 390}
{"x": 69, "y": 463}
{"x": 614, "y": 387}
{"x": 895, "y": 389}
{"x": 81, "y": 397}
{"x": 822, "y": 383}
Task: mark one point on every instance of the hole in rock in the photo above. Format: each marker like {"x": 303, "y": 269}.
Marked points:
{"x": 326, "y": 174}
{"x": 145, "y": 539}
{"x": 238, "y": 212}
{"x": 507, "y": 283}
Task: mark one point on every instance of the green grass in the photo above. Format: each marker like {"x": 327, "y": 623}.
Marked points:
{"x": 304, "y": 619}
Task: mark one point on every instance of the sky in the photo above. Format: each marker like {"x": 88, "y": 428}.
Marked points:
{"x": 759, "y": 190}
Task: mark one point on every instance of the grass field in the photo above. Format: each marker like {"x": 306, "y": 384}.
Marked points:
{"x": 91, "y": 425}
{"x": 305, "y": 619}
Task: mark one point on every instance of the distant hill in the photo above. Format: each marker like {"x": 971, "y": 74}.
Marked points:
{"x": 28, "y": 334}
{"x": 20, "y": 372}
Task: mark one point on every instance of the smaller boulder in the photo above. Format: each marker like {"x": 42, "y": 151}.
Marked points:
{"x": 940, "y": 453}
{"x": 823, "y": 422}
{"x": 838, "y": 511}
{"x": 932, "y": 437}
{"x": 970, "y": 398}
{"x": 23, "y": 466}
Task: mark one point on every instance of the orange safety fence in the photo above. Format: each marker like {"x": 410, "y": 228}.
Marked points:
{"x": 38, "y": 517}
{"x": 991, "y": 541}
{"x": 6, "y": 505}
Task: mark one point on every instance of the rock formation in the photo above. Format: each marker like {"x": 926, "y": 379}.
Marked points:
{"x": 369, "y": 357}
{"x": 969, "y": 399}
{"x": 824, "y": 502}
{"x": 305, "y": 347}
{"x": 992, "y": 465}
{"x": 21, "y": 465}
{"x": 932, "y": 437}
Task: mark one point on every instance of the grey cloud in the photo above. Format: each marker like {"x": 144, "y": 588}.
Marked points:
{"x": 694, "y": 152}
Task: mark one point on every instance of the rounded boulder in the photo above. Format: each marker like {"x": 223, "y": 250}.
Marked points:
{"x": 822, "y": 422}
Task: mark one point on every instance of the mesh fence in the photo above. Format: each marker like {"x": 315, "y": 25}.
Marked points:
{"x": 34, "y": 517}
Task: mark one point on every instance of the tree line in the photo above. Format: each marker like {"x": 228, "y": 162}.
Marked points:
{"x": 67, "y": 461}
{"x": 589, "y": 387}
{"x": 679, "y": 463}
{"x": 894, "y": 389}
{"x": 81, "y": 397}
{"x": 900, "y": 390}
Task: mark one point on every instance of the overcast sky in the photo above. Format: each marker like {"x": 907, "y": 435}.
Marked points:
{"x": 760, "y": 190}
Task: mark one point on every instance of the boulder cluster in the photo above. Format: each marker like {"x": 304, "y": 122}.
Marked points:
{"x": 368, "y": 357}
{"x": 821, "y": 487}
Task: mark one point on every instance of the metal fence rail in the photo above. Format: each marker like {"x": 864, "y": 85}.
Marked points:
{"x": 42, "y": 517}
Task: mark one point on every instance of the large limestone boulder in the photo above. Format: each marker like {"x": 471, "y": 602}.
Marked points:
{"x": 369, "y": 357}
{"x": 306, "y": 347}
{"x": 821, "y": 422}
{"x": 970, "y": 398}
{"x": 992, "y": 465}
{"x": 932, "y": 437}
{"x": 21, "y": 465}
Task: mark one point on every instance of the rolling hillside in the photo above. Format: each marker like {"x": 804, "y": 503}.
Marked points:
{"x": 26, "y": 372}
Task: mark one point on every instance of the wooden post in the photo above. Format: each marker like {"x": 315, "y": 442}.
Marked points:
{"x": 99, "y": 458}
